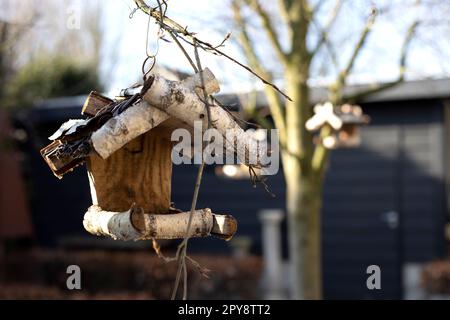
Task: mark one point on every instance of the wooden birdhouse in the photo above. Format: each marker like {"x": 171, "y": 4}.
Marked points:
{"x": 126, "y": 145}
{"x": 344, "y": 120}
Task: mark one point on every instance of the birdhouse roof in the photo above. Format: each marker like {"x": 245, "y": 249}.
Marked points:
{"x": 160, "y": 103}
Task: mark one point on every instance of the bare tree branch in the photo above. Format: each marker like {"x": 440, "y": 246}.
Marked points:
{"x": 402, "y": 68}
{"x": 324, "y": 38}
{"x": 318, "y": 5}
{"x": 297, "y": 15}
{"x": 321, "y": 153}
{"x": 171, "y": 26}
{"x": 358, "y": 47}
{"x": 299, "y": 21}
{"x": 283, "y": 10}
{"x": 269, "y": 28}
{"x": 275, "y": 104}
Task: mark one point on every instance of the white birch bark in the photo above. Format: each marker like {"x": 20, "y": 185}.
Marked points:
{"x": 181, "y": 100}
{"x": 119, "y": 225}
{"x": 118, "y": 131}
{"x": 142, "y": 116}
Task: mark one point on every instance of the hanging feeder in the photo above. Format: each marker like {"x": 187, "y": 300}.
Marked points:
{"x": 126, "y": 145}
{"x": 344, "y": 120}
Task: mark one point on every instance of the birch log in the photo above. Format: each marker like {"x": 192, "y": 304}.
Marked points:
{"x": 142, "y": 116}
{"x": 136, "y": 225}
{"x": 123, "y": 128}
{"x": 181, "y": 100}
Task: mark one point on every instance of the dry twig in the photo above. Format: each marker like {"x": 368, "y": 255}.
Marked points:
{"x": 189, "y": 37}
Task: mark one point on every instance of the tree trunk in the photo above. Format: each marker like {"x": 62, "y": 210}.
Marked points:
{"x": 304, "y": 211}
{"x": 303, "y": 188}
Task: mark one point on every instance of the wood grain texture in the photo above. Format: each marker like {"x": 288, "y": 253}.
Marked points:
{"x": 94, "y": 103}
{"x": 139, "y": 173}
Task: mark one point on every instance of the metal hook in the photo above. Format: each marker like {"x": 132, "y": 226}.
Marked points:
{"x": 130, "y": 16}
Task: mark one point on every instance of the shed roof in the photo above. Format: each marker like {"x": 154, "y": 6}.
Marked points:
{"x": 410, "y": 90}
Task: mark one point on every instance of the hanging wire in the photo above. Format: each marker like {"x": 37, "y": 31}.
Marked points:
{"x": 131, "y": 15}
{"x": 162, "y": 7}
{"x": 181, "y": 254}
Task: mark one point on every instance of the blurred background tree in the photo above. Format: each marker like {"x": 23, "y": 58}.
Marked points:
{"x": 292, "y": 41}
{"x": 42, "y": 56}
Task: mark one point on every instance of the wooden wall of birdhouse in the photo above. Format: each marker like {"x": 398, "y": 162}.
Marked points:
{"x": 139, "y": 173}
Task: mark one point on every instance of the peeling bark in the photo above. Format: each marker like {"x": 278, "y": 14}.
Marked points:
{"x": 106, "y": 223}
{"x": 135, "y": 225}
{"x": 123, "y": 128}
{"x": 143, "y": 117}
{"x": 181, "y": 100}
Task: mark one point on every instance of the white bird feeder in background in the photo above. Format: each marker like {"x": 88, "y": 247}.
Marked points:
{"x": 344, "y": 121}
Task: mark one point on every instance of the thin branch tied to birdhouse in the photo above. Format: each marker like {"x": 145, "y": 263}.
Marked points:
{"x": 126, "y": 145}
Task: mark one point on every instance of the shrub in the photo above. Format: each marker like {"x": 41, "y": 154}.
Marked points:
{"x": 48, "y": 77}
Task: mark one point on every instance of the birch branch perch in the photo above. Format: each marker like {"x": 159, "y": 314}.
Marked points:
{"x": 135, "y": 225}
{"x": 181, "y": 100}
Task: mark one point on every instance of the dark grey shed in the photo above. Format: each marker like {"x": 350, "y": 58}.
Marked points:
{"x": 385, "y": 202}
